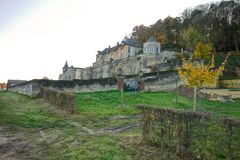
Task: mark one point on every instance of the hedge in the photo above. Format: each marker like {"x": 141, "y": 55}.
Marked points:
{"x": 190, "y": 135}
{"x": 61, "y": 99}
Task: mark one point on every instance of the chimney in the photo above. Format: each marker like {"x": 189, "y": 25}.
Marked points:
{"x": 109, "y": 47}
{"x": 117, "y": 43}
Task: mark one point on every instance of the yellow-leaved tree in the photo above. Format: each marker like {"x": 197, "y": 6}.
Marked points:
{"x": 196, "y": 74}
{"x": 202, "y": 51}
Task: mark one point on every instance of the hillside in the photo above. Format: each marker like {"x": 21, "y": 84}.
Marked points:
{"x": 102, "y": 128}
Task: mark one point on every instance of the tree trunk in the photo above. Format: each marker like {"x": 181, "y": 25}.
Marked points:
{"x": 122, "y": 97}
{"x": 236, "y": 44}
{"x": 194, "y": 98}
{"x": 176, "y": 91}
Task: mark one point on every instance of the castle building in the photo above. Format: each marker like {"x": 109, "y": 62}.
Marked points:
{"x": 128, "y": 48}
{"x": 128, "y": 56}
{"x": 70, "y": 73}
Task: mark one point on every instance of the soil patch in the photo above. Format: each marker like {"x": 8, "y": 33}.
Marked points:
{"x": 11, "y": 146}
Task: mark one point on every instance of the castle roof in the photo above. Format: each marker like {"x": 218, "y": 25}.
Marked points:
{"x": 66, "y": 65}
{"x": 151, "y": 39}
{"x": 129, "y": 41}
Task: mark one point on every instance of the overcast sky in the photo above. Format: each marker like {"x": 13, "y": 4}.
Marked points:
{"x": 38, "y": 36}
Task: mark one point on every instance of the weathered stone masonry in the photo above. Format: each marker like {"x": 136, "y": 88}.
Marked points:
{"x": 152, "y": 70}
{"x": 128, "y": 56}
{"x": 158, "y": 81}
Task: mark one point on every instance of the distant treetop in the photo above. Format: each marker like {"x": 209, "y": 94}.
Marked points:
{"x": 218, "y": 23}
{"x": 45, "y": 78}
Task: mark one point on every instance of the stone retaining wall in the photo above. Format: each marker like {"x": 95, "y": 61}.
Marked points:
{"x": 163, "y": 81}
{"x": 32, "y": 88}
{"x": 229, "y": 83}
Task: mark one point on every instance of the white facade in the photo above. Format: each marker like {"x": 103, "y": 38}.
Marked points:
{"x": 151, "y": 47}
{"x": 78, "y": 73}
{"x": 132, "y": 51}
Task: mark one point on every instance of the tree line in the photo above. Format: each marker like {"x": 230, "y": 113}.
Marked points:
{"x": 3, "y": 86}
{"x": 216, "y": 24}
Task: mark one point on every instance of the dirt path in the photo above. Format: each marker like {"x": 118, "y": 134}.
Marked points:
{"x": 119, "y": 128}
{"x": 33, "y": 130}
{"x": 11, "y": 148}
{"x": 111, "y": 130}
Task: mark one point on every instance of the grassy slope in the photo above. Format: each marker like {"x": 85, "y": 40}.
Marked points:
{"x": 55, "y": 134}
{"x": 100, "y": 104}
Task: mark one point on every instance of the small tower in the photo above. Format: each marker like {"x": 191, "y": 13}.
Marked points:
{"x": 151, "y": 47}
{"x": 65, "y": 68}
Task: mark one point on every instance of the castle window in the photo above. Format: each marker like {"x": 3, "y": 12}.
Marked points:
{"x": 122, "y": 53}
{"x": 129, "y": 49}
{"x": 157, "y": 50}
{"x": 151, "y": 49}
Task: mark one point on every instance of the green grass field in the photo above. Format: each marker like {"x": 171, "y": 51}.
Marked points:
{"x": 49, "y": 133}
{"x": 100, "y": 104}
